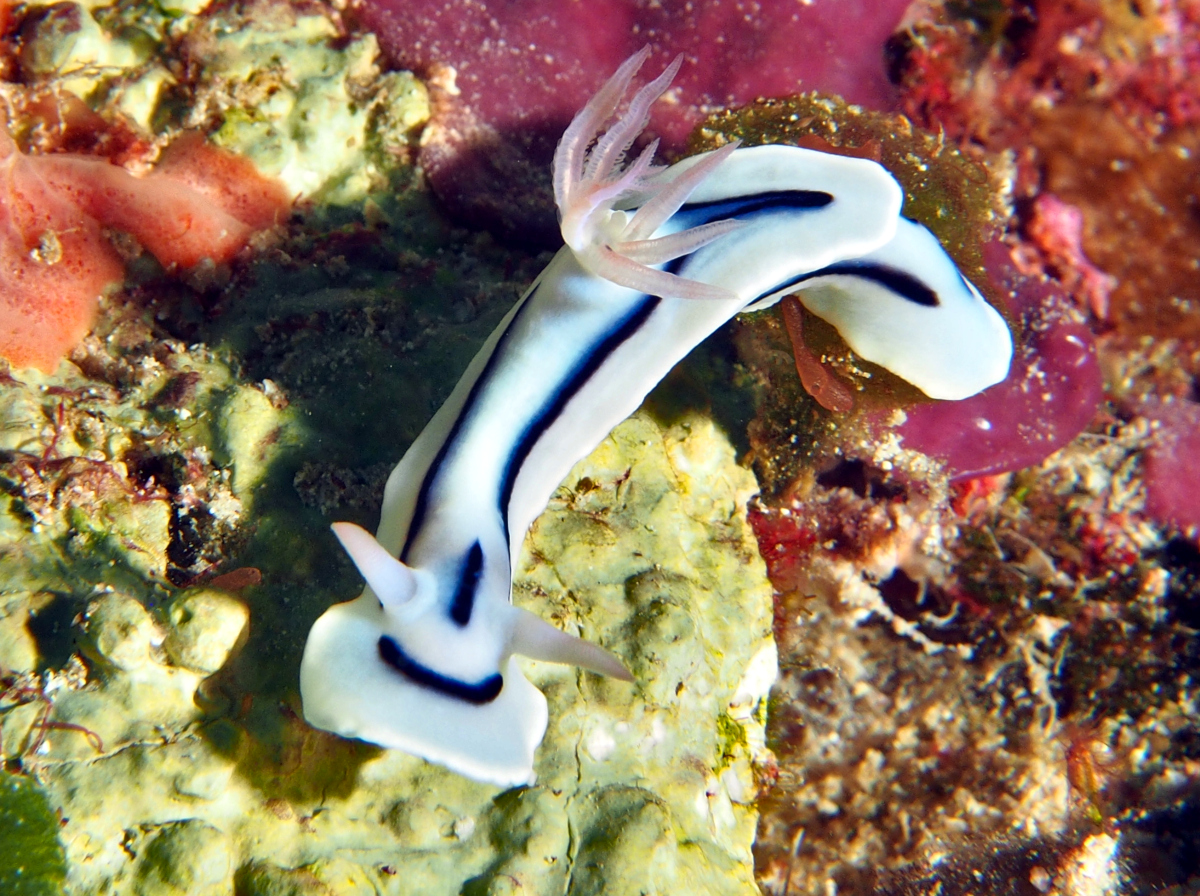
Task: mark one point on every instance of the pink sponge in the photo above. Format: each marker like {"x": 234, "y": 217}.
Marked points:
{"x": 1172, "y": 474}
{"x": 200, "y": 203}
{"x": 1050, "y": 395}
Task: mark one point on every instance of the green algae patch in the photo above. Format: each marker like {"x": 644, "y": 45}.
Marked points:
{"x": 961, "y": 197}
{"x": 120, "y": 531}
{"x": 31, "y": 860}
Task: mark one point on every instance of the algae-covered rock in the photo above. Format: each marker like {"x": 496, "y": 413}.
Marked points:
{"x": 96, "y": 493}
{"x": 626, "y": 845}
{"x": 204, "y": 626}
{"x": 31, "y": 859}
{"x": 133, "y": 533}
{"x": 120, "y": 632}
{"x": 63, "y": 41}
{"x": 530, "y": 830}
{"x": 644, "y": 787}
{"x": 251, "y": 432}
{"x": 301, "y": 107}
{"x": 18, "y": 650}
{"x": 265, "y": 879}
{"x": 645, "y": 549}
{"x": 135, "y": 697}
{"x": 188, "y": 858}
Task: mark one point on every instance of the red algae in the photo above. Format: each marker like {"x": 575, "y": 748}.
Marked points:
{"x": 45, "y": 121}
{"x": 1138, "y": 200}
{"x": 166, "y": 217}
{"x": 1171, "y": 473}
{"x": 228, "y": 181}
{"x": 1056, "y": 227}
{"x": 1098, "y": 102}
{"x": 1040, "y": 619}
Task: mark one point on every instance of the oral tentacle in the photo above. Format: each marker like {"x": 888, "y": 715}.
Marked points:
{"x": 588, "y": 182}
{"x": 605, "y": 194}
{"x": 624, "y": 272}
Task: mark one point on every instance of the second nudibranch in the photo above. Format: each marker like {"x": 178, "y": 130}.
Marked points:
{"x": 655, "y": 260}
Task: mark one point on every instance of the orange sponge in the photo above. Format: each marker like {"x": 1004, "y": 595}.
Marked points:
{"x": 54, "y": 262}
{"x": 200, "y": 203}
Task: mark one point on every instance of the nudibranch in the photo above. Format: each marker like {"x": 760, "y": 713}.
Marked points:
{"x": 655, "y": 260}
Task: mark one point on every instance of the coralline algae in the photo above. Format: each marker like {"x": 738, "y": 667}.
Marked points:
{"x": 1172, "y": 476}
{"x": 507, "y": 78}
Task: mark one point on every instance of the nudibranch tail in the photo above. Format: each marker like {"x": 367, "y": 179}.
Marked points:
{"x": 589, "y": 183}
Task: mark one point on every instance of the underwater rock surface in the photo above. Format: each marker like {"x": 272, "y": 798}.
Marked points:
{"x": 646, "y": 549}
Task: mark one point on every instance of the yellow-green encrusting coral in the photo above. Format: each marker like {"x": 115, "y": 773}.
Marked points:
{"x": 280, "y": 85}
{"x": 321, "y": 117}
{"x": 646, "y": 787}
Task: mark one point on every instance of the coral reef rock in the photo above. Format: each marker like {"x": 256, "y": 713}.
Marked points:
{"x": 645, "y": 548}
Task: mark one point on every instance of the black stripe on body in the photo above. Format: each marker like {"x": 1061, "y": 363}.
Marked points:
{"x": 707, "y": 211}
{"x": 468, "y": 582}
{"x": 422, "y": 503}
{"x": 736, "y": 206}
{"x": 483, "y": 692}
{"x": 593, "y": 361}
{"x": 900, "y": 282}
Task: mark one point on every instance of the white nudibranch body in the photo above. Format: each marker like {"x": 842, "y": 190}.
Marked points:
{"x": 655, "y": 260}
